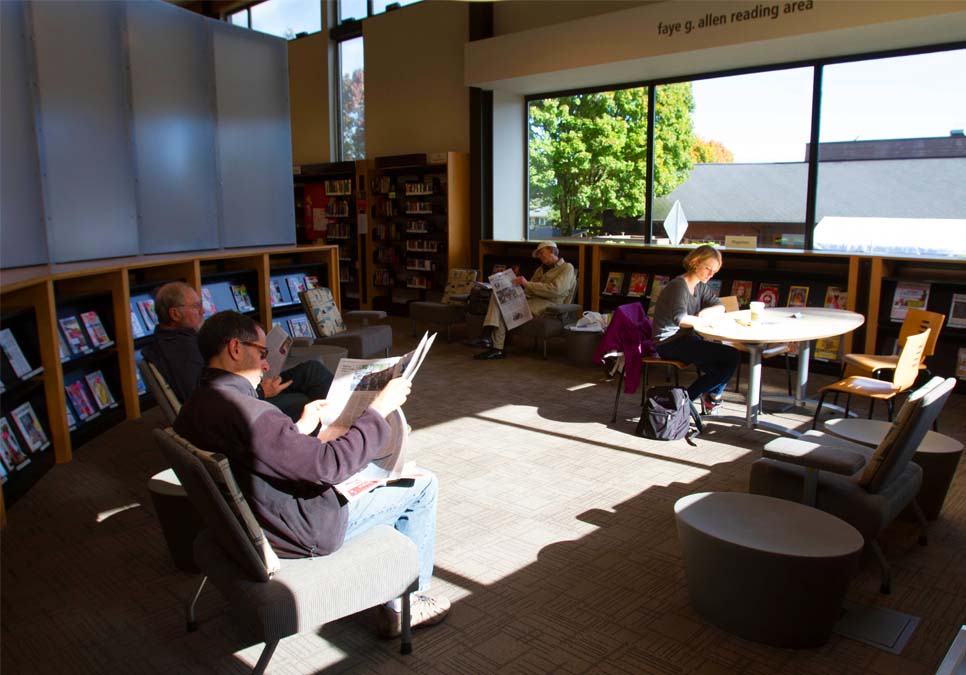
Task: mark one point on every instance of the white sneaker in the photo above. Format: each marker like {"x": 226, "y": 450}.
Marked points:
{"x": 426, "y": 610}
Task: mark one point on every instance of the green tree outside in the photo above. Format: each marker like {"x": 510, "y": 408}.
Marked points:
{"x": 588, "y": 153}
{"x": 353, "y": 116}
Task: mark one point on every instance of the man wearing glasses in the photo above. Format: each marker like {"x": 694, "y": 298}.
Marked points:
{"x": 287, "y": 474}
{"x": 175, "y": 354}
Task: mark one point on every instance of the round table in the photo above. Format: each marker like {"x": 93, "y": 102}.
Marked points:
{"x": 938, "y": 455}
{"x": 581, "y": 344}
{"x": 777, "y": 325}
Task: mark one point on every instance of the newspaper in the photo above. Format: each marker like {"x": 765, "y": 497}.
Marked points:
{"x": 355, "y": 385}
{"x": 511, "y": 299}
{"x": 278, "y": 343}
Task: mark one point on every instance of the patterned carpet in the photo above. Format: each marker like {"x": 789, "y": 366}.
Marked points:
{"x": 556, "y": 545}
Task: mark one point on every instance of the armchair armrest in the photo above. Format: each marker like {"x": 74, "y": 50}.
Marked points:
{"x": 817, "y": 450}
{"x": 563, "y": 309}
{"x": 461, "y": 297}
{"x": 365, "y": 316}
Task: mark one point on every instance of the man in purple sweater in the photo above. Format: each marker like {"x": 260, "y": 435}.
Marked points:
{"x": 287, "y": 474}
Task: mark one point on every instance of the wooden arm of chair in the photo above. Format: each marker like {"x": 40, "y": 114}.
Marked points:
{"x": 817, "y": 450}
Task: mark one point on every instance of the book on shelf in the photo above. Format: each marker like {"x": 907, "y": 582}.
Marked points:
{"x": 77, "y": 393}
{"x": 908, "y": 294}
{"x": 768, "y": 294}
{"x": 11, "y": 348}
{"x": 137, "y": 328}
{"x": 836, "y": 297}
{"x": 102, "y": 395}
{"x": 275, "y": 293}
{"x": 615, "y": 282}
{"x": 3, "y": 472}
{"x": 148, "y": 315}
{"x": 99, "y": 337}
{"x": 797, "y": 296}
{"x": 71, "y": 420}
{"x": 299, "y": 327}
{"x": 142, "y": 388}
{"x": 311, "y": 281}
{"x": 637, "y": 286}
{"x": 208, "y": 302}
{"x": 73, "y": 334}
{"x": 278, "y": 343}
{"x": 957, "y": 311}
{"x": 10, "y": 452}
{"x": 296, "y": 285}
{"x": 741, "y": 289}
{"x": 827, "y": 349}
{"x": 659, "y": 284}
{"x": 243, "y": 302}
{"x": 715, "y": 286}
{"x": 30, "y": 429}
{"x": 64, "y": 349}
{"x": 320, "y": 307}
{"x": 961, "y": 363}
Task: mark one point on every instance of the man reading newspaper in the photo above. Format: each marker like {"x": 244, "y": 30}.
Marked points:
{"x": 550, "y": 285}
{"x": 289, "y": 474}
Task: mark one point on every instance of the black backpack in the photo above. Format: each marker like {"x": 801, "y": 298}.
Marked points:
{"x": 667, "y": 415}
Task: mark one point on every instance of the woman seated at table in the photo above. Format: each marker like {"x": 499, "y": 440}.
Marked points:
{"x": 683, "y": 300}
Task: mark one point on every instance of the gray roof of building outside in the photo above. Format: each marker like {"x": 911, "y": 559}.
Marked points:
{"x": 775, "y": 193}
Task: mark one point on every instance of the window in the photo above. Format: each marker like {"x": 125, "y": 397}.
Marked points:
{"x": 352, "y": 106}
{"x": 349, "y": 10}
{"x": 284, "y": 18}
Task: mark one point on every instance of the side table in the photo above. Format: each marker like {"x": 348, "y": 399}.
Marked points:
{"x": 581, "y": 344}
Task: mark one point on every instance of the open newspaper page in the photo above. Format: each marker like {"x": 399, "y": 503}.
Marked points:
{"x": 511, "y": 299}
{"x": 355, "y": 385}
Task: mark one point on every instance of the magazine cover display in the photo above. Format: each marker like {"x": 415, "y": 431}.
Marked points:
{"x": 459, "y": 283}
{"x": 64, "y": 350}
{"x": 72, "y": 333}
{"x": 827, "y": 349}
{"x": 957, "y": 311}
{"x": 102, "y": 395}
{"x": 77, "y": 393}
{"x": 99, "y": 336}
{"x": 142, "y": 387}
{"x": 26, "y": 420}
{"x": 311, "y": 281}
{"x": 908, "y": 294}
{"x": 207, "y": 302}
{"x": 71, "y": 420}
{"x": 11, "y": 348}
{"x": 615, "y": 282}
{"x": 742, "y": 291}
{"x": 148, "y": 315}
{"x": 320, "y": 305}
{"x": 660, "y": 283}
{"x": 296, "y": 285}
{"x": 798, "y": 296}
{"x": 242, "y": 302}
{"x": 11, "y": 454}
{"x": 638, "y": 285}
{"x": 299, "y": 327}
{"x": 836, "y": 297}
{"x": 768, "y": 294}
{"x": 961, "y": 363}
{"x": 275, "y": 293}
{"x": 3, "y": 472}
{"x": 715, "y": 286}
{"x": 137, "y": 328}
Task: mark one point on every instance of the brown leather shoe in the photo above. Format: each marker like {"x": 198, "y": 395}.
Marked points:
{"x": 490, "y": 354}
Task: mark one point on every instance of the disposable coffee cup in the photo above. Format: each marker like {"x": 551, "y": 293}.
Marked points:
{"x": 757, "y": 309}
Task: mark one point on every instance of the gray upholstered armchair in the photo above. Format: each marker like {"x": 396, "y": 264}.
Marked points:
{"x": 362, "y": 342}
{"x": 552, "y": 321}
{"x": 864, "y": 487}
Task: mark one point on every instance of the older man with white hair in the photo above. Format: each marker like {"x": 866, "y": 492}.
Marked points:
{"x": 551, "y": 284}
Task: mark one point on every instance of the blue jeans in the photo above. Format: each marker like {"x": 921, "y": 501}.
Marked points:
{"x": 716, "y": 362}
{"x": 411, "y": 511}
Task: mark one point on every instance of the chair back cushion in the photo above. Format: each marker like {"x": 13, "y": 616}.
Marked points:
{"x": 160, "y": 390}
{"x": 459, "y": 284}
{"x": 229, "y": 519}
{"x": 322, "y": 312}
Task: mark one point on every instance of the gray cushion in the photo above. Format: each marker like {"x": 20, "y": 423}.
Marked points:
{"x": 437, "y": 312}
{"x": 362, "y": 343}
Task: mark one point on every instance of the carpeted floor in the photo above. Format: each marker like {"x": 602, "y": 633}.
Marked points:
{"x": 556, "y": 544}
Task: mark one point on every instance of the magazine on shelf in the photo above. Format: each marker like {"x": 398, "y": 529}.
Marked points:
{"x": 511, "y": 299}
{"x": 275, "y": 293}
{"x": 11, "y": 348}
{"x": 148, "y": 315}
{"x": 961, "y": 363}
{"x": 77, "y": 393}
{"x": 64, "y": 349}
{"x": 296, "y": 284}
{"x": 798, "y": 296}
{"x": 299, "y": 327}
{"x": 715, "y": 286}
{"x": 827, "y": 349}
{"x": 615, "y": 282}
{"x": 99, "y": 337}
{"x": 768, "y": 294}
{"x": 638, "y": 285}
{"x": 908, "y": 294}
{"x": 957, "y": 311}
{"x": 73, "y": 334}
{"x": 71, "y": 420}
{"x": 660, "y": 282}
{"x": 243, "y": 303}
{"x": 26, "y": 420}
{"x": 3, "y": 472}
{"x": 102, "y": 395}
{"x": 278, "y": 343}
{"x": 208, "y": 305}
{"x": 137, "y": 328}
{"x": 11, "y": 454}
{"x": 311, "y": 281}
{"x": 836, "y": 297}
{"x": 354, "y": 386}
{"x": 742, "y": 291}
{"x": 142, "y": 387}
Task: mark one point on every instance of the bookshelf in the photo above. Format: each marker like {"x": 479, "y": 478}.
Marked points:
{"x": 327, "y": 203}
{"x": 418, "y": 226}
{"x": 34, "y": 300}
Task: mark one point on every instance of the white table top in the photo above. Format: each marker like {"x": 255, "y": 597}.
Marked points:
{"x": 779, "y": 324}
{"x": 871, "y": 433}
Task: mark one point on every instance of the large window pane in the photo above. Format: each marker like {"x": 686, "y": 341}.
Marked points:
{"x": 732, "y": 151}
{"x": 587, "y": 163}
{"x": 893, "y": 155}
{"x": 287, "y": 18}
{"x": 352, "y": 99}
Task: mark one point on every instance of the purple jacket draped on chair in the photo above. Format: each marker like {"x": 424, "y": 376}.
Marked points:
{"x": 630, "y": 332}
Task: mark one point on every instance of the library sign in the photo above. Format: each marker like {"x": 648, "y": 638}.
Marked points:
{"x": 740, "y": 16}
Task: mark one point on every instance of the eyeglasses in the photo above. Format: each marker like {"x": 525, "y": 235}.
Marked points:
{"x": 196, "y": 306}
{"x": 262, "y": 352}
